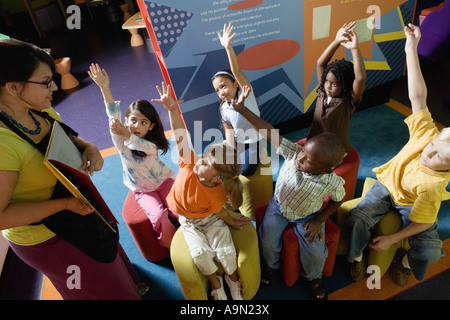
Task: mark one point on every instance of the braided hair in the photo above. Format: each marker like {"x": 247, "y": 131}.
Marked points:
{"x": 345, "y": 75}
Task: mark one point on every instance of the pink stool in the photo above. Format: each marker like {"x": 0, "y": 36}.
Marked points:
{"x": 141, "y": 230}
{"x": 68, "y": 81}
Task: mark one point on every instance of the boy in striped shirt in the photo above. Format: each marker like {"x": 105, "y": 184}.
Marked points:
{"x": 305, "y": 177}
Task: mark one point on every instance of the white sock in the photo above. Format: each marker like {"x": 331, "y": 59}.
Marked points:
{"x": 405, "y": 262}
{"x": 359, "y": 258}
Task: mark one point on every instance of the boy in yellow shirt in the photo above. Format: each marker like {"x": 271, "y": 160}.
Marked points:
{"x": 413, "y": 183}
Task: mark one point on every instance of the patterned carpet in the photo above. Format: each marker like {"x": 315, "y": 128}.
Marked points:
{"x": 377, "y": 133}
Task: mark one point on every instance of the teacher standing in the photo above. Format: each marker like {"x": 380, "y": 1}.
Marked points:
{"x": 26, "y": 188}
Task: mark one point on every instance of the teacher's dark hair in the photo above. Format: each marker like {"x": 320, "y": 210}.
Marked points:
{"x": 19, "y": 59}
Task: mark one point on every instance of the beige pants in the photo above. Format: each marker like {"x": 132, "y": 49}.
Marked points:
{"x": 209, "y": 239}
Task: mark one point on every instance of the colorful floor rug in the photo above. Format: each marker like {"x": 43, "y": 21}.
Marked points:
{"x": 377, "y": 133}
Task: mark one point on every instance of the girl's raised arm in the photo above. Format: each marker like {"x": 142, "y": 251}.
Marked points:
{"x": 225, "y": 40}
{"x": 101, "y": 78}
{"x": 325, "y": 57}
{"x": 358, "y": 66}
{"x": 263, "y": 127}
{"x": 179, "y": 130}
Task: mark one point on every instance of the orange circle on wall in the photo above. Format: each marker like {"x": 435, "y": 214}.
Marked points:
{"x": 241, "y": 5}
{"x": 268, "y": 54}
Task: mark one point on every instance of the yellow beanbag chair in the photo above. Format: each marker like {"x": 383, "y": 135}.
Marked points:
{"x": 195, "y": 286}
{"x": 258, "y": 190}
{"x": 390, "y": 224}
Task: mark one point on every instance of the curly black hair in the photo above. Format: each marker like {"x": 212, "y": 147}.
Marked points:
{"x": 345, "y": 75}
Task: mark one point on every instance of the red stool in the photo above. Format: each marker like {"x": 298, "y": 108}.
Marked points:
{"x": 141, "y": 230}
{"x": 290, "y": 253}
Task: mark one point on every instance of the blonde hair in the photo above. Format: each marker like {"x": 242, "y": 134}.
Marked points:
{"x": 224, "y": 159}
{"x": 445, "y": 136}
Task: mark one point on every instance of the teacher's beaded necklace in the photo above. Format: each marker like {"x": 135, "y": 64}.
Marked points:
{"x": 21, "y": 127}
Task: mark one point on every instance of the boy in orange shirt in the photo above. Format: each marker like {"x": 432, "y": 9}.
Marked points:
{"x": 198, "y": 197}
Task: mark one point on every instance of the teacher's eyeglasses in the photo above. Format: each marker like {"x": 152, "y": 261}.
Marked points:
{"x": 46, "y": 83}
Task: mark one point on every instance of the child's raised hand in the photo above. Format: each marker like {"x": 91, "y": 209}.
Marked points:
{"x": 343, "y": 32}
{"x": 166, "y": 98}
{"x": 352, "y": 41}
{"x": 226, "y": 37}
{"x": 413, "y": 35}
{"x": 99, "y": 75}
{"x": 239, "y": 105}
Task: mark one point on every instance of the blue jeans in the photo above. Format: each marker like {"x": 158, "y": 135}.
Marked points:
{"x": 312, "y": 256}
{"x": 249, "y": 158}
{"x": 425, "y": 246}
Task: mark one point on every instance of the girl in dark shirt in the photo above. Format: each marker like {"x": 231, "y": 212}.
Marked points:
{"x": 341, "y": 87}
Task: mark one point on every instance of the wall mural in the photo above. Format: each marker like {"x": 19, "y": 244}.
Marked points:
{"x": 277, "y": 43}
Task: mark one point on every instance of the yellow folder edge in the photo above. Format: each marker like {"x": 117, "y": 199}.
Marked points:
{"x": 67, "y": 183}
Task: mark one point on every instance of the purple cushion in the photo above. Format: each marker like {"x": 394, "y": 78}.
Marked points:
{"x": 435, "y": 42}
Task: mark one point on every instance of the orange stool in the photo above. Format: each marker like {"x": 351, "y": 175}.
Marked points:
{"x": 141, "y": 230}
{"x": 125, "y": 9}
{"x": 68, "y": 81}
{"x": 133, "y": 24}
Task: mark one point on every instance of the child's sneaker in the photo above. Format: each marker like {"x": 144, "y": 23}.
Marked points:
{"x": 143, "y": 288}
{"x": 219, "y": 294}
{"x": 235, "y": 288}
{"x": 400, "y": 273}
{"x": 358, "y": 270}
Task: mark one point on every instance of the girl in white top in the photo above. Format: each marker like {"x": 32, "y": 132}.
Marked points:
{"x": 138, "y": 142}
{"x": 239, "y": 133}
